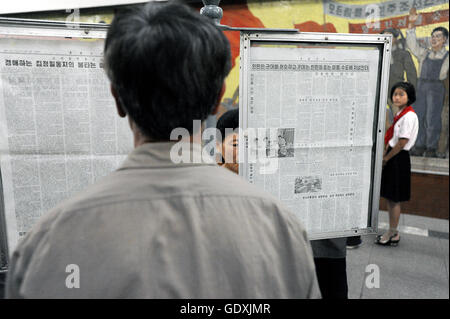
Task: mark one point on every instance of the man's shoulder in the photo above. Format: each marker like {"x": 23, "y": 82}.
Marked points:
{"x": 218, "y": 205}
{"x": 223, "y": 181}
{"x": 149, "y": 185}
{"x": 213, "y": 185}
{"x": 229, "y": 194}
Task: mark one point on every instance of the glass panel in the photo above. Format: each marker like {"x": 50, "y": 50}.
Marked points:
{"x": 311, "y": 111}
{"x": 60, "y": 132}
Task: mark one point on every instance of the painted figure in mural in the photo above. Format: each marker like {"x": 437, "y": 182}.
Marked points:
{"x": 401, "y": 64}
{"x": 443, "y": 140}
{"x": 433, "y": 68}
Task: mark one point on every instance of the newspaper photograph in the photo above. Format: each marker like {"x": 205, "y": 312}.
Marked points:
{"x": 315, "y": 108}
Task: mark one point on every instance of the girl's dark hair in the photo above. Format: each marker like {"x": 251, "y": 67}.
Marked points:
{"x": 408, "y": 88}
{"x": 230, "y": 120}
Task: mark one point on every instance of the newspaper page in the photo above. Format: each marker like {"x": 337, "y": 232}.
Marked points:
{"x": 317, "y": 108}
{"x": 59, "y": 130}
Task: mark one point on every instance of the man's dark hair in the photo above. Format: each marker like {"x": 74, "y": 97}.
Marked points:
{"x": 444, "y": 31}
{"x": 167, "y": 64}
{"x": 408, "y": 88}
{"x": 230, "y": 120}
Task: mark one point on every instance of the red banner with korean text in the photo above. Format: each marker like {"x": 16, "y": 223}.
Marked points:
{"x": 426, "y": 18}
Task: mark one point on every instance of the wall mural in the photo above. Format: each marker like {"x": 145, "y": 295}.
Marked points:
{"x": 410, "y": 56}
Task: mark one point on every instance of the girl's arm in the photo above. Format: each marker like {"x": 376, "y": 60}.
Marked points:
{"x": 395, "y": 150}
{"x": 385, "y": 150}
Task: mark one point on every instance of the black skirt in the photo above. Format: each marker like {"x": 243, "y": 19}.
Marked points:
{"x": 396, "y": 178}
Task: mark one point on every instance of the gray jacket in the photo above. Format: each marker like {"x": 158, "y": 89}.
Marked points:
{"x": 155, "y": 229}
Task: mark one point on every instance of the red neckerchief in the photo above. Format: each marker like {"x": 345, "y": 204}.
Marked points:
{"x": 390, "y": 131}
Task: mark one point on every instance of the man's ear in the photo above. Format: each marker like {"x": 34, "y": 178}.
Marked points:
{"x": 222, "y": 92}
{"x": 119, "y": 107}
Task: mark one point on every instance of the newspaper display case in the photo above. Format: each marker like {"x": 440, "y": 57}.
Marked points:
{"x": 58, "y": 129}
{"x": 312, "y": 110}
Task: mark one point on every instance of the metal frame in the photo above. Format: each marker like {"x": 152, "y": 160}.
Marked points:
{"x": 224, "y": 27}
{"x": 385, "y": 40}
{"x": 31, "y": 27}
{"x": 4, "y": 249}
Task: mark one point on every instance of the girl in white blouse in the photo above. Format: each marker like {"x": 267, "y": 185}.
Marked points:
{"x": 396, "y": 176}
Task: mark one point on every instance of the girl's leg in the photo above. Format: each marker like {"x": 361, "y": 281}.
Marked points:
{"x": 394, "y": 217}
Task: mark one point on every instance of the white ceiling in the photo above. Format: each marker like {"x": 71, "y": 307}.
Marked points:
{"x": 21, "y": 6}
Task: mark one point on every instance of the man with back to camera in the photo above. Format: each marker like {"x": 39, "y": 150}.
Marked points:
{"x": 154, "y": 228}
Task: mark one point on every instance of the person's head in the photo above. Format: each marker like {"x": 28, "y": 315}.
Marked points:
{"x": 167, "y": 65}
{"x": 403, "y": 94}
{"x": 439, "y": 37}
{"x": 228, "y": 140}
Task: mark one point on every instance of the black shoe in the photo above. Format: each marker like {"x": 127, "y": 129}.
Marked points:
{"x": 390, "y": 242}
{"x": 354, "y": 242}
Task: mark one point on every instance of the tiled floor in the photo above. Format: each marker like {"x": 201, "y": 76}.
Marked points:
{"x": 417, "y": 268}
